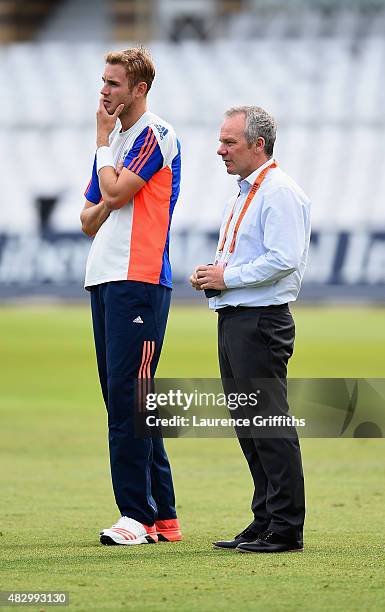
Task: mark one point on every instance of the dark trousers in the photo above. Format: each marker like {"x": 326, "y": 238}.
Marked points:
{"x": 257, "y": 343}
{"x": 129, "y": 321}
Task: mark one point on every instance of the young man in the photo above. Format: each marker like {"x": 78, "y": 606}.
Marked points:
{"x": 129, "y": 204}
{"x": 259, "y": 266}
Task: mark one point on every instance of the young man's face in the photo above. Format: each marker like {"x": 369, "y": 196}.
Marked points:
{"x": 116, "y": 88}
{"x": 238, "y": 155}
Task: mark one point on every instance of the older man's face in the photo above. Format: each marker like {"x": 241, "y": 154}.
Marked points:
{"x": 239, "y": 157}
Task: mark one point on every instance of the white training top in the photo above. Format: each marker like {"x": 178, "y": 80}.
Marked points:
{"x": 132, "y": 244}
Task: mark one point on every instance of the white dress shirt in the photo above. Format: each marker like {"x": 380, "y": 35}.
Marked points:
{"x": 271, "y": 248}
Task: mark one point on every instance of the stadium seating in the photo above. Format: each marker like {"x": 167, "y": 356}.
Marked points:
{"x": 327, "y": 94}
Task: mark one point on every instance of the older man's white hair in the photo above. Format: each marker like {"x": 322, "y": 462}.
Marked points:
{"x": 259, "y": 123}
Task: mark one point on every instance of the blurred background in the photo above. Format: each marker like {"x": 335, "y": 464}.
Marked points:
{"x": 317, "y": 65}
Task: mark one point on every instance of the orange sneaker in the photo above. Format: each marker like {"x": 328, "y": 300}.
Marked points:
{"x": 168, "y": 530}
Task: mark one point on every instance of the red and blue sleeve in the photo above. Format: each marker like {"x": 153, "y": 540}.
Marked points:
{"x": 93, "y": 193}
{"x": 145, "y": 157}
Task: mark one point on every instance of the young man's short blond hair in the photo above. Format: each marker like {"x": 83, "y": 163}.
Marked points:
{"x": 137, "y": 63}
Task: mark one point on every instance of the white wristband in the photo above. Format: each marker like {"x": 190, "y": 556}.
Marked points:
{"x": 104, "y": 158}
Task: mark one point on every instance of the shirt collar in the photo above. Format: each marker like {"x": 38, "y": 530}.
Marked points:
{"x": 136, "y": 124}
{"x": 249, "y": 180}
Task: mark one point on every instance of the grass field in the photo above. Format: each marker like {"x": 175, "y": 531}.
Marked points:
{"x": 56, "y": 493}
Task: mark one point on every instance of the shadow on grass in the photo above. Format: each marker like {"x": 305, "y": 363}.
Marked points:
{"x": 17, "y": 556}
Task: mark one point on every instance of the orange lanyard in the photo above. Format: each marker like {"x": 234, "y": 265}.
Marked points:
{"x": 256, "y": 185}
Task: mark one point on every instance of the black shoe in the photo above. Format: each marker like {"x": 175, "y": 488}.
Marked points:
{"x": 270, "y": 542}
{"x": 247, "y": 535}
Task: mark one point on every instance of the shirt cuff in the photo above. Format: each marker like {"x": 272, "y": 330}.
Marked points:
{"x": 232, "y": 277}
{"x": 104, "y": 158}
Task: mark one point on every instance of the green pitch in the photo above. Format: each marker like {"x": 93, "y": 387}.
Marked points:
{"x": 56, "y": 493}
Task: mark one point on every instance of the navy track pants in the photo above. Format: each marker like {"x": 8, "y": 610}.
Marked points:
{"x": 129, "y": 322}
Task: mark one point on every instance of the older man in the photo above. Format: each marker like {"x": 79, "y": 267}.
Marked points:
{"x": 259, "y": 266}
